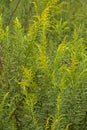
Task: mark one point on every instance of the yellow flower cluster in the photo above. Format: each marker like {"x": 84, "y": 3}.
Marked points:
{"x": 27, "y": 77}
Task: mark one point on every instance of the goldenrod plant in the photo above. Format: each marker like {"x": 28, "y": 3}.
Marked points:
{"x": 43, "y": 65}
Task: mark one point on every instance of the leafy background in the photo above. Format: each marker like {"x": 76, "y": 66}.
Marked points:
{"x": 43, "y": 65}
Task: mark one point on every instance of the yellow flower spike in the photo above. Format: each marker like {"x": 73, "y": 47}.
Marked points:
{"x": 23, "y": 83}
{"x": 27, "y": 77}
{"x": 27, "y": 73}
{"x": 43, "y": 59}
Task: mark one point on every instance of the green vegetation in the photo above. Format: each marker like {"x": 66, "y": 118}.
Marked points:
{"x": 43, "y": 65}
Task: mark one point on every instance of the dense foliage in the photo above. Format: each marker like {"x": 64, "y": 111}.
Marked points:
{"x": 43, "y": 65}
